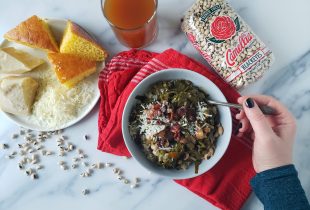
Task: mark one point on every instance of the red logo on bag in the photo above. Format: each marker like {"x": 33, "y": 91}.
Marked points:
{"x": 223, "y": 27}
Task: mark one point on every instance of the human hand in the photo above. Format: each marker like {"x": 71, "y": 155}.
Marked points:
{"x": 273, "y": 135}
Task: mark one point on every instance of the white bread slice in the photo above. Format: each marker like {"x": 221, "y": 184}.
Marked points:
{"x": 13, "y": 61}
{"x": 17, "y": 94}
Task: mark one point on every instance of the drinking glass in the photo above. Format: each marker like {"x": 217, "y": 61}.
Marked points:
{"x": 137, "y": 36}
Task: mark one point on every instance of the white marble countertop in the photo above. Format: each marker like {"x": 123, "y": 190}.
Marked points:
{"x": 282, "y": 24}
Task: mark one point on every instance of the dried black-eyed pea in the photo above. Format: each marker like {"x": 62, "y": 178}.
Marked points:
{"x": 96, "y": 165}
{"x": 29, "y": 172}
{"x": 4, "y": 146}
{"x": 134, "y": 185}
{"x": 99, "y": 165}
{"x": 49, "y": 153}
{"x": 34, "y": 176}
{"x": 21, "y": 166}
{"x": 62, "y": 138}
{"x": 9, "y": 157}
{"x": 38, "y": 167}
{"x": 71, "y": 147}
{"x": 63, "y": 167}
{"x": 108, "y": 164}
{"x": 85, "y": 192}
{"x": 35, "y": 161}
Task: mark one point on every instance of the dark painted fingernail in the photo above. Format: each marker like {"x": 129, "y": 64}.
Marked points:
{"x": 238, "y": 127}
{"x": 249, "y": 103}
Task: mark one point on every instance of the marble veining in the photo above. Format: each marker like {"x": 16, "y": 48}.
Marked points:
{"x": 281, "y": 24}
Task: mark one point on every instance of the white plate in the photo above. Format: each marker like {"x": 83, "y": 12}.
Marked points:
{"x": 202, "y": 83}
{"x": 57, "y": 26}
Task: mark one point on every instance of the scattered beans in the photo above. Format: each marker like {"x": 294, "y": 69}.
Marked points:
{"x": 32, "y": 146}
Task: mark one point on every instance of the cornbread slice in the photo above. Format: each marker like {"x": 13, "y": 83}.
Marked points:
{"x": 33, "y": 32}
{"x": 77, "y": 41}
{"x": 70, "y": 69}
{"x": 13, "y": 61}
{"x": 17, "y": 94}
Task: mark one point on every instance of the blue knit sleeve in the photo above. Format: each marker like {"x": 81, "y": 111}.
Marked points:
{"x": 280, "y": 188}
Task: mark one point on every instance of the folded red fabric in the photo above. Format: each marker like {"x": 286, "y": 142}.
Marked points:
{"x": 226, "y": 185}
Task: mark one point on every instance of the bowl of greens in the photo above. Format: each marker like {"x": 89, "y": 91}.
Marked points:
{"x": 170, "y": 128}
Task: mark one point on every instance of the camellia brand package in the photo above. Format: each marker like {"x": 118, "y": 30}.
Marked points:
{"x": 226, "y": 42}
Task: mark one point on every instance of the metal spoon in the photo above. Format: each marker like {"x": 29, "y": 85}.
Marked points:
{"x": 267, "y": 110}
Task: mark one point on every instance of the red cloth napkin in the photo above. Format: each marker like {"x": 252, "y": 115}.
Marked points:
{"x": 226, "y": 185}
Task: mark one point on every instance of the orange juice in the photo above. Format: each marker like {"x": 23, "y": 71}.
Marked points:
{"x": 133, "y": 21}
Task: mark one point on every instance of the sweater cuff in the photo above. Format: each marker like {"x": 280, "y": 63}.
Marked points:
{"x": 278, "y": 172}
{"x": 280, "y": 188}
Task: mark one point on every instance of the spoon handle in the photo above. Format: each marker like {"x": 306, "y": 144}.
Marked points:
{"x": 267, "y": 110}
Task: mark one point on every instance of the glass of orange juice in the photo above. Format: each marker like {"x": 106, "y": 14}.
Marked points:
{"x": 134, "y": 22}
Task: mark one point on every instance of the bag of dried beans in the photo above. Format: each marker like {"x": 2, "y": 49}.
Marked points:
{"x": 226, "y": 42}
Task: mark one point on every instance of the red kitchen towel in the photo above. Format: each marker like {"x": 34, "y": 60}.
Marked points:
{"x": 226, "y": 185}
